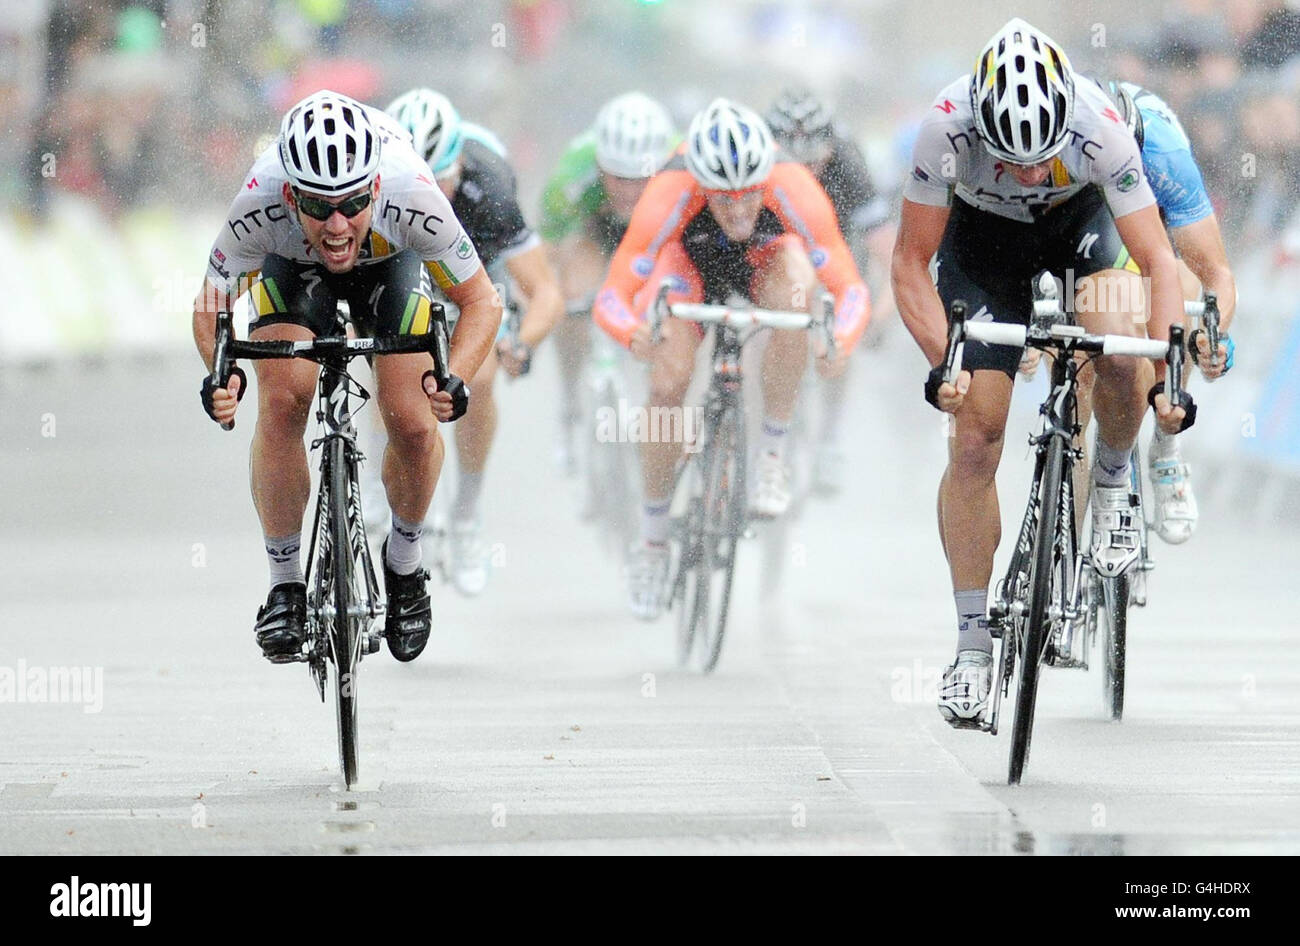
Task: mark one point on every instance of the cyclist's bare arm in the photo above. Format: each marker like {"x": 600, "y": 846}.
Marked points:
{"x": 1144, "y": 236}
{"x": 480, "y": 317}
{"x": 1201, "y": 246}
{"x": 537, "y": 281}
{"x": 581, "y": 265}
{"x": 225, "y": 401}
{"x": 920, "y": 232}
{"x": 206, "y": 304}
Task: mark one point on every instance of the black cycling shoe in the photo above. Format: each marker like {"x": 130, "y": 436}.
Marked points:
{"x": 281, "y": 627}
{"x": 410, "y": 615}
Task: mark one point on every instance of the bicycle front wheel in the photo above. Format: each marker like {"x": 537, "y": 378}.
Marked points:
{"x": 1036, "y": 618}
{"x": 723, "y": 521}
{"x": 344, "y": 637}
{"x": 1113, "y": 614}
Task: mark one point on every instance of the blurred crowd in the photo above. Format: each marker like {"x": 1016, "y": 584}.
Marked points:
{"x": 135, "y": 120}
{"x": 124, "y": 101}
{"x": 1231, "y": 71}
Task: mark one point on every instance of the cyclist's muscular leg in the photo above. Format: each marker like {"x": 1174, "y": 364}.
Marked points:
{"x": 970, "y": 521}
{"x": 415, "y": 449}
{"x": 670, "y": 376}
{"x": 476, "y": 430}
{"x": 582, "y": 268}
{"x": 281, "y": 481}
{"x": 784, "y": 279}
{"x": 1111, "y": 302}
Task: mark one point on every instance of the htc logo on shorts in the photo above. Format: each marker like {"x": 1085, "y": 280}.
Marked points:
{"x": 78, "y": 899}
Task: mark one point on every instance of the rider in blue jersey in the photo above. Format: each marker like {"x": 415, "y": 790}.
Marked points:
{"x": 1189, "y": 217}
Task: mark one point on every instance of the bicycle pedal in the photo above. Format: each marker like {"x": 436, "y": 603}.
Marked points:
{"x": 299, "y": 658}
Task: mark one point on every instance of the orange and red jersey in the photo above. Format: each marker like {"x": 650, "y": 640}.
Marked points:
{"x": 794, "y": 205}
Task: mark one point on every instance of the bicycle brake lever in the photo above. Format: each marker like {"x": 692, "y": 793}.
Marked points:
{"x": 956, "y": 343}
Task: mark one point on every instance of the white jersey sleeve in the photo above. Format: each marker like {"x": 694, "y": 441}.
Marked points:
{"x": 410, "y": 213}
{"x": 942, "y": 152}
{"x": 257, "y": 223}
{"x": 1115, "y": 163}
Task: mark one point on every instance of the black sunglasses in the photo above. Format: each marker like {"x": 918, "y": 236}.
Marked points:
{"x": 320, "y": 209}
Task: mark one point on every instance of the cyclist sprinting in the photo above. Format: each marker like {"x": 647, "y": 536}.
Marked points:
{"x": 725, "y": 217}
{"x": 805, "y": 129}
{"x": 470, "y": 167}
{"x": 342, "y": 208}
{"x": 1193, "y": 230}
{"x": 586, "y": 205}
{"x": 1045, "y": 176}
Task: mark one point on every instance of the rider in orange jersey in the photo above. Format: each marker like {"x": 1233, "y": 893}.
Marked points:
{"x": 725, "y": 217}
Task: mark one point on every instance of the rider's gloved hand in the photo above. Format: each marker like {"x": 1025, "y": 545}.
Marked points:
{"x": 946, "y": 397}
{"x": 516, "y": 359}
{"x": 450, "y": 403}
{"x": 1166, "y": 412}
{"x": 222, "y": 402}
{"x": 1198, "y": 343}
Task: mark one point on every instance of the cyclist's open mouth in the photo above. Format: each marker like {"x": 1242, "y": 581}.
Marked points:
{"x": 336, "y": 250}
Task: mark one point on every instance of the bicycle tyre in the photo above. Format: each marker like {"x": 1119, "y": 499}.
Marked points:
{"x": 687, "y": 548}
{"x": 1040, "y": 590}
{"x": 344, "y": 644}
{"x": 724, "y": 521}
{"x": 1114, "y": 639}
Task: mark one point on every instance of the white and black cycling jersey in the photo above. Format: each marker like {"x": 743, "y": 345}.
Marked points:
{"x": 411, "y": 213}
{"x": 487, "y": 203}
{"x": 949, "y": 158}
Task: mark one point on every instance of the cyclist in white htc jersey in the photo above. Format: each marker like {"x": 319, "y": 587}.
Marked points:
{"x": 341, "y": 207}
{"x": 1017, "y": 169}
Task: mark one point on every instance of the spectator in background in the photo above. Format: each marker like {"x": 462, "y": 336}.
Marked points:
{"x": 1268, "y": 32}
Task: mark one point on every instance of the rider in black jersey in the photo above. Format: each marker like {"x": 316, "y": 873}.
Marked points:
{"x": 803, "y": 126}
{"x": 470, "y": 167}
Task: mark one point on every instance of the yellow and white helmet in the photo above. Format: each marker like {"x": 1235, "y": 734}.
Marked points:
{"x": 1022, "y": 93}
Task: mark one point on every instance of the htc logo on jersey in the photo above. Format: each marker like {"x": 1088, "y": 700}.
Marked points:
{"x": 78, "y": 899}
{"x": 273, "y": 212}
{"x": 425, "y": 224}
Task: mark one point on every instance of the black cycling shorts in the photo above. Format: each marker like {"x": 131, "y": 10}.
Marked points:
{"x": 391, "y": 296}
{"x": 605, "y": 231}
{"x": 991, "y": 261}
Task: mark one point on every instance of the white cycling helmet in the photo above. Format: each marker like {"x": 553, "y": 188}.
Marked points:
{"x": 1022, "y": 93}
{"x": 434, "y": 125}
{"x": 328, "y": 144}
{"x": 729, "y": 147}
{"x": 633, "y": 135}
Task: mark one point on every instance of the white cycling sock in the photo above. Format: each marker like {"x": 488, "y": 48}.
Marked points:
{"x": 286, "y": 561}
{"x": 1111, "y": 466}
{"x": 973, "y": 620}
{"x": 404, "y": 546}
{"x": 1163, "y": 444}
{"x": 467, "y": 492}
{"x": 655, "y": 522}
{"x": 833, "y": 409}
{"x": 772, "y": 439}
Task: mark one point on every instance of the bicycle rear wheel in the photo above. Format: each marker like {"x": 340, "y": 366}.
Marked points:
{"x": 343, "y": 635}
{"x": 1113, "y": 614}
{"x": 723, "y": 521}
{"x": 1036, "y": 617}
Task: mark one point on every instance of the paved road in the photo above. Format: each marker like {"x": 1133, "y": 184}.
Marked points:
{"x": 542, "y": 719}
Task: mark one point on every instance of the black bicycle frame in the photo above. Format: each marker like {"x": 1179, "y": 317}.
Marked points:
{"x": 1060, "y": 413}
